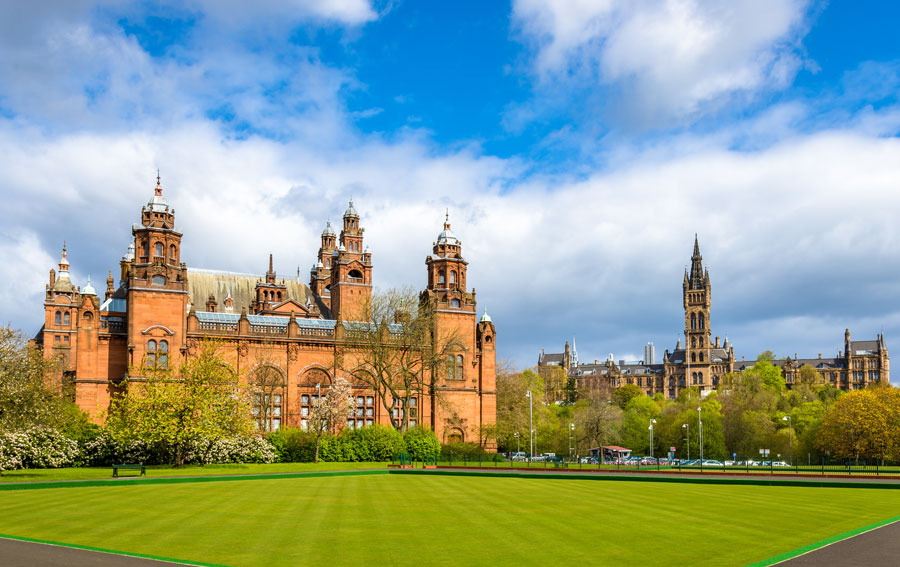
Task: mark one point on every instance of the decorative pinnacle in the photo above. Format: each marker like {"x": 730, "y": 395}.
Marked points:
{"x": 447, "y": 219}
{"x": 158, "y": 189}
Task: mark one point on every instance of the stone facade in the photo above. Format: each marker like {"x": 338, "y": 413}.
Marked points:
{"x": 703, "y": 361}
{"x": 267, "y": 325}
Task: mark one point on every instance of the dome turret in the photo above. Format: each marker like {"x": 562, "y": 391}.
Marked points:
{"x": 351, "y": 211}
{"x": 88, "y": 289}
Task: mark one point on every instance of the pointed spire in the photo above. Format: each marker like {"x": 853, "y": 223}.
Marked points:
{"x": 158, "y": 190}
{"x": 447, "y": 218}
{"x": 64, "y": 262}
{"x": 696, "y": 247}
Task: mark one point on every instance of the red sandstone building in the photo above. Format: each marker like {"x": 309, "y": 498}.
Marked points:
{"x": 268, "y": 324}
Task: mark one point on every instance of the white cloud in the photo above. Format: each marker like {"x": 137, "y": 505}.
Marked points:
{"x": 667, "y": 58}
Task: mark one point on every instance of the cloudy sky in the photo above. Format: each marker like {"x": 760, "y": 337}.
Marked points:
{"x": 579, "y": 145}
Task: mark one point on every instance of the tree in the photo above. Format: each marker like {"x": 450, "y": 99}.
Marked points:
{"x": 598, "y": 421}
{"x": 513, "y": 407}
{"x": 330, "y": 409}
{"x": 863, "y": 424}
{"x": 624, "y": 394}
{"x": 636, "y": 421}
{"x": 398, "y": 352}
{"x": 268, "y": 385}
{"x": 30, "y": 389}
{"x": 200, "y": 400}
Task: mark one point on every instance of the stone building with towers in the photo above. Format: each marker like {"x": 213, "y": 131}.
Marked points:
{"x": 160, "y": 309}
{"x": 703, "y": 359}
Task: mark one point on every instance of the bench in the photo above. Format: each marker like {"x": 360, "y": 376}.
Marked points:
{"x": 138, "y": 468}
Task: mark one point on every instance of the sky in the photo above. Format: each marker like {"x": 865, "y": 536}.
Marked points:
{"x": 579, "y": 145}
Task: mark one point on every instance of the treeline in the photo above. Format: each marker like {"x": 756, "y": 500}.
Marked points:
{"x": 749, "y": 411}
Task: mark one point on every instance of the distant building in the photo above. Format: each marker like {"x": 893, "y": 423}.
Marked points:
{"x": 649, "y": 353}
{"x": 703, "y": 360}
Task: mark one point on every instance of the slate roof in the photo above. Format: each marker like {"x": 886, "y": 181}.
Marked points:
{"x": 241, "y": 287}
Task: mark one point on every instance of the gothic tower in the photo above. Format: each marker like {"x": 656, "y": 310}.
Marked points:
{"x": 156, "y": 285}
{"x": 350, "y": 270}
{"x": 697, "y": 300}
{"x": 320, "y": 274}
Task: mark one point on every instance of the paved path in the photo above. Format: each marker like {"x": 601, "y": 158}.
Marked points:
{"x": 15, "y": 553}
{"x": 877, "y": 548}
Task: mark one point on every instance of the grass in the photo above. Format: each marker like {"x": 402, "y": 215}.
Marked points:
{"x": 443, "y": 520}
{"x": 91, "y": 473}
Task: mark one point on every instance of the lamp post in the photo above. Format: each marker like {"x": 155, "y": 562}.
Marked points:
{"x": 787, "y": 418}
{"x": 573, "y": 443}
{"x": 530, "y": 425}
{"x": 652, "y": 421}
{"x": 687, "y": 437}
{"x": 700, "y": 420}
{"x": 516, "y": 435}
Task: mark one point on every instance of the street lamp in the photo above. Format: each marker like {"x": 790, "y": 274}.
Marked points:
{"x": 573, "y": 443}
{"x": 787, "y": 418}
{"x": 687, "y": 437}
{"x": 652, "y": 421}
{"x": 530, "y": 424}
{"x": 700, "y": 420}
{"x": 516, "y": 435}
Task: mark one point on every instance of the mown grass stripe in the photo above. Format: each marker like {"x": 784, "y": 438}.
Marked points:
{"x": 655, "y": 478}
{"x": 111, "y": 551}
{"x": 181, "y": 479}
{"x": 822, "y": 543}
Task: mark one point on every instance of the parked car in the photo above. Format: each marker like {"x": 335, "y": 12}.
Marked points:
{"x": 780, "y": 464}
{"x": 518, "y": 456}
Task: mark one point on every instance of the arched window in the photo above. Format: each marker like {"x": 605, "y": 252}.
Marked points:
{"x": 163, "y": 355}
{"x": 459, "y": 367}
{"x": 693, "y": 341}
{"x": 693, "y": 357}
{"x": 172, "y": 252}
{"x": 145, "y": 249}
{"x": 488, "y": 339}
{"x": 442, "y": 277}
{"x": 57, "y": 320}
{"x": 701, "y": 357}
{"x": 158, "y": 249}
{"x": 694, "y": 378}
{"x": 452, "y": 276}
{"x": 702, "y": 321}
{"x": 454, "y": 303}
{"x": 693, "y": 321}
{"x": 151, "y": 354}
{"x": 700, "y": 377}
{"x": 266, "y": 295}
{"x": 87, "y": 317}
{"x": 66, "y": 320}
{"x": 701, "y": 341}
{"x": 158, "y": 280}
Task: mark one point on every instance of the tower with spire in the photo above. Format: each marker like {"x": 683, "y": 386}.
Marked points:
{"x": 350, "y": 271}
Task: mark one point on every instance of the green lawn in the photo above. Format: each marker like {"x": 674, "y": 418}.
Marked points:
{"x": 444, "y": 520}
{"x": 88, "y": 473}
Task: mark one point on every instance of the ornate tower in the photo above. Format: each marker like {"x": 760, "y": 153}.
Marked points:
{"x": 697, "y": 300}
{"x": 156, "y": 284}
{"x": 320, "y": 274}
{"x": 350, "y": 270}
{"x": 268, "y": 293}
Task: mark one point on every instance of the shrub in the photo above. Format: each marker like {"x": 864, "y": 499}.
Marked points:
{"x": 460, "y": 450}
{"x": 293, "y": 445}
{"x": 230, "y": 450}
{"x": 421, "y": 443}
{"x": 36, "y": 447}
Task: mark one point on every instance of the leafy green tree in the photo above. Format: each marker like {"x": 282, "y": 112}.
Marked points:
{"x": 200, "y": 401}
{"x": 636, "y": 422}
{"x": 624, "y": 394}
{"x": 31, "y": 389}
{"x": 512, "y": 407}
{"x": 597, "y": 422}
{"x": 863, "y": 424}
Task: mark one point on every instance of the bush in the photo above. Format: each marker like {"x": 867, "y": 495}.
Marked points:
{"x": 36, "y": 448}
{"x": 230, "y": 450}
{"x": 460, "y": 450}
{"x": 421, "y": 443}
{"x": 293, "y": 445}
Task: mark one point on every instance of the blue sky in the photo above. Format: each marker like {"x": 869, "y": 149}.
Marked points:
{"x": 579, "y": 145}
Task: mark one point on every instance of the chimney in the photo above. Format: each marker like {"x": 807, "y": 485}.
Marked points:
{"x": 52, "y": 277}
{"x": 820, "y": 356}
{"x": 717, "y": 342}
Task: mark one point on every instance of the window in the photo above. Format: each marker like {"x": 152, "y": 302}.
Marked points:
{"x": 700, "y": 377}
{"x": 693, "y": 321}
{"x": 455, "y": 303}
{"x": 693, "y": 342}
{"x": 88, "y": 317}
{"x": 158, "y": 280}
{"x": 151, "y": 354}
{"x": 693, "y": 357}
{"x": 162, "y": 359}
{"x": 267, "y": 411}
{"x": 66, "y": 319}
{"x": 58, "y": 318}
{"x": 158, "y": 249}
{"x": 702, "y": 321}
{"x": 452, "y": 276}
{"x": 701, "y": 357}
{"x": 442, "y": 278}
{"x": 459, "y": 366}
{"x": 145, "y": 249}
{"x": 172, "y": 254}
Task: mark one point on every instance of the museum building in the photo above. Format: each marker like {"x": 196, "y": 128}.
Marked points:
{"x": 267, "y": 324}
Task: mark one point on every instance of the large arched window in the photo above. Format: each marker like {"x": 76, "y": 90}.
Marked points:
{"x": 701, "y": 357}
{"x": 151, "y": 354}
{"x": 693, "y": 321}
{"x": 459, "y": 367}
{"x": 57, "y": 320}
{"x": 693, "y": 342}
{"x": 700, "y": 377}
{"x": 158, "y": 249}
{"x": 702, "y": 321}
{"x": 452, "y": 276}
{"x": 162, "y": 356}
{"x": 442, "y": 277}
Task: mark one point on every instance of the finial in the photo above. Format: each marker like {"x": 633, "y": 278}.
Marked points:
{"x": 64, "y": 247}
{"x": 158, "y": 190}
